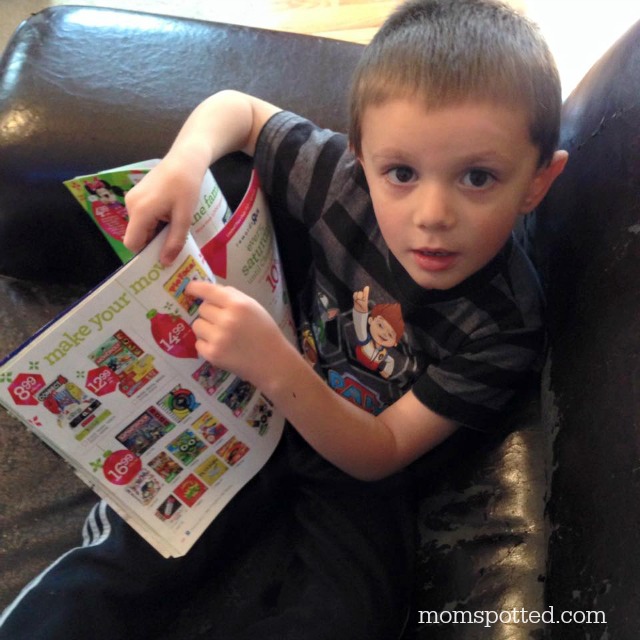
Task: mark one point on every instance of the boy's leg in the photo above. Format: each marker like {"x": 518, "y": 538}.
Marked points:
{"x": 351, "y": 569}
{"x": 88, "y": 590}
{"x": 118, "y": 587}
{"x": 347, "y": 575}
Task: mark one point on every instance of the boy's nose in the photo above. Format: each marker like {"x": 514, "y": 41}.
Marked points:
{"x": 434, "y": 207}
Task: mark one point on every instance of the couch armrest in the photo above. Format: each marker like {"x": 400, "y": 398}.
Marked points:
{"x": 587, "y": 240}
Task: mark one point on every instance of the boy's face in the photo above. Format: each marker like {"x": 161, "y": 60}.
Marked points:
{"x": 448, "y": 184}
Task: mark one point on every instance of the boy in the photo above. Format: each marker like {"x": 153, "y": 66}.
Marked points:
{"x": 454, "y": 124}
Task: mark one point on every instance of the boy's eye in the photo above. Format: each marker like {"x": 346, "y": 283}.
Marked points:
{"x": 478, "y": 179}
{"x": 401, "y": 175}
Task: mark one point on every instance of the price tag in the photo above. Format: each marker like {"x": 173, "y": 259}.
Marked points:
{"x": 24, "y": 388}
{"x": 121, "y": 467}
{"x": 102, "y": 381}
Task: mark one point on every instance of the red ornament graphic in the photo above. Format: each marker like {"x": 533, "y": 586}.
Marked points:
{"x": 173, "y": 334}
{"x": 121, "y": 467}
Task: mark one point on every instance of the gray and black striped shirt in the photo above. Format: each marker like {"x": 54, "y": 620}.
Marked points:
{"x": 464, "y": 352}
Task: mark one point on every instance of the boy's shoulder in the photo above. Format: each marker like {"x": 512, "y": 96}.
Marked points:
{"x": 514, "y": 292}
{"x": 523, "y": 277}
{"x": 309, "y": 162}
{"x": 513, "y": 297}
{"x": 298, "y": 130}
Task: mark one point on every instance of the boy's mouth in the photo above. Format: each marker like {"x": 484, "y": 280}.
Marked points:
{"x": 439, "y": 253}
{"x": 434, "y": 259}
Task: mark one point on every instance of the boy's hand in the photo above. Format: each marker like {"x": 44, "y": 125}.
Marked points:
{"x": 235, "y": 332}
{"x": 167, "y": 194}
{"x": 225, "y": 122}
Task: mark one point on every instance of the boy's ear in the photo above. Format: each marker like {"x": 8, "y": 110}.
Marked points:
{"x": 543, "y": 180}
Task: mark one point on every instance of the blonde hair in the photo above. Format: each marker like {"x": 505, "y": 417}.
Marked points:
{"x": 445, "y": 52}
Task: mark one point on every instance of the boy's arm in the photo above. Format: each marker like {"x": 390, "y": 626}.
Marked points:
{"x": 223, "y": 123}
{"x": 237, "y": 334}
{"x": 365, "y": 446}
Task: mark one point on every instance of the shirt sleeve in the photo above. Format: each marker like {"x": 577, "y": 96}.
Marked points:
{"x": 474, "y": 387}
{"x": 298, "y": 165}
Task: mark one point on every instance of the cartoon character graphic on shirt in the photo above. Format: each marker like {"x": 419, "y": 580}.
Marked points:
{"x": 377, "y": 331}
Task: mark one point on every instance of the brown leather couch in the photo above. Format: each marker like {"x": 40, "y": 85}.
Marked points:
{"x": 544, "y": 518}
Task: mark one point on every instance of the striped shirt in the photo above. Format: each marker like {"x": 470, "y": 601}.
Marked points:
{"x": 464, "y": 351}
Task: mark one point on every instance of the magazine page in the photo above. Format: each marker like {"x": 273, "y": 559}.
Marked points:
{"x": 116, "y": 387}
{"x": 242, "y": 252}
{"x": 102, "y": 195}
{"x": 239, "y": 246}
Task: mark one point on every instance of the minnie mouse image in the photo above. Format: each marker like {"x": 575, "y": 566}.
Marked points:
{"x": 109, "y": 212}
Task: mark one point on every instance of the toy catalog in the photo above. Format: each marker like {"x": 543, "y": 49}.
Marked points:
{"x": 115, "y": 385}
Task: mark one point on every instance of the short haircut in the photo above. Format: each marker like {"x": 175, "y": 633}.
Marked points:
{"x": 446, "y": 52}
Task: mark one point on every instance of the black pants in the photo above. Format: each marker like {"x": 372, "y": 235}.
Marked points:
{"x": 303, "y": 552}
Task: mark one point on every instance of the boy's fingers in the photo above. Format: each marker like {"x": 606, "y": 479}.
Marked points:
{"x": 176, "y": 237}
{"x": 212, "y": 293}
{"x": 201, "y": 289}
{"x": 136, "y": 236}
